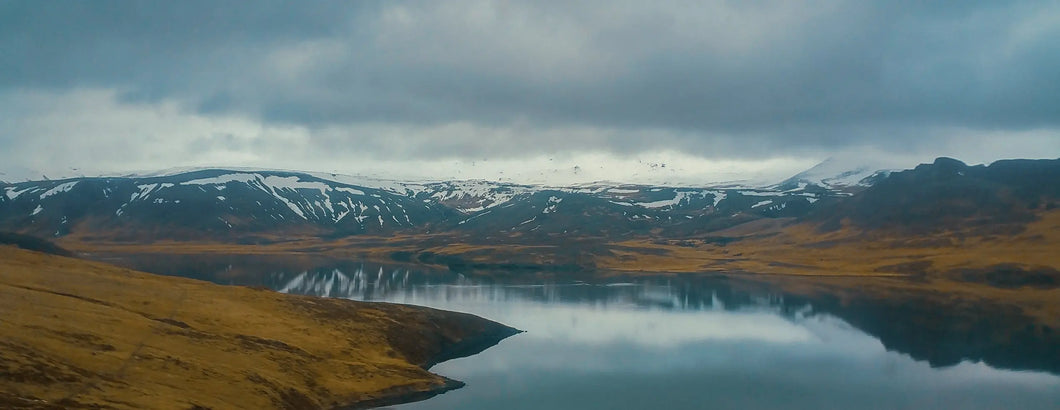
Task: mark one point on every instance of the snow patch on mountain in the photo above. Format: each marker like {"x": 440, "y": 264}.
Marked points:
{"x": 64, "y": 187}
{"x": 550, "y": 207}
{"x": 835, "y": 173}
{"x": 224, "y": 179}
{"x": 761, "y": 193}
{"x": 13, "y": 193}
{"x": 718, "y": 197}
{"x": 471, "y": 196}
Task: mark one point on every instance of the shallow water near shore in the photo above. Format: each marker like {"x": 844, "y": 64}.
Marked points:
{"x": 675, "y": 343}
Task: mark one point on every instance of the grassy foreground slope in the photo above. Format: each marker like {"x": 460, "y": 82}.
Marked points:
{"x": 79, "y": 334}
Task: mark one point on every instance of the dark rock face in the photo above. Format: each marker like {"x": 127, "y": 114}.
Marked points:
{"x": 948, "y": 194}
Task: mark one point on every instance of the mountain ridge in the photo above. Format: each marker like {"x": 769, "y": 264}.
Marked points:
{"x": 234, "y": 205}
{"x": 236, "y": 202}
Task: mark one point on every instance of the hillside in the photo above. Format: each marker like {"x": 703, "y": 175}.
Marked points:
{"x": 950, "y": 195}
{"x": 78, "y": 334}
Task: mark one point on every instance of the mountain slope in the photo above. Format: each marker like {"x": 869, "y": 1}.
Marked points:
{"x": 949, "y": 194}
{"x": 833, "y": 175}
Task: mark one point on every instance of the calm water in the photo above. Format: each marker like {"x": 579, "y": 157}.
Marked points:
{"x": 663, "y": 343}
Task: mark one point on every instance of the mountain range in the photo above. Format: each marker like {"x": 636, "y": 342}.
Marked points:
{"x": 245, "y": 204}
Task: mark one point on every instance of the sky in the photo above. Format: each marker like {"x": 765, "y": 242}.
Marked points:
{"x": 535, "y": 91}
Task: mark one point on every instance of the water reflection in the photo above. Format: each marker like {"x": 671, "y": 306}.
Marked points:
{"x": 595, "y": 343}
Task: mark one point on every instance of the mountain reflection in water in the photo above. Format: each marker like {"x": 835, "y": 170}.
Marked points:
{"x": 682, "y": 342}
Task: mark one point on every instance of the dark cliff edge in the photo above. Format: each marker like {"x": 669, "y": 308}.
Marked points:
{"x": 947, "y": 194}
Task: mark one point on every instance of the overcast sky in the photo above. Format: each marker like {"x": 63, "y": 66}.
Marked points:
{"x": 492, "y": 89}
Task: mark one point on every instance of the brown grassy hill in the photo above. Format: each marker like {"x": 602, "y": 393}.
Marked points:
{"x": 1020, "y": 269}
{"x": 78, "y": 334}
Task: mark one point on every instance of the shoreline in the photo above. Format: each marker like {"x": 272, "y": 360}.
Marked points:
{"x": 403, "y": 396}
{"x": 465, "y": 348}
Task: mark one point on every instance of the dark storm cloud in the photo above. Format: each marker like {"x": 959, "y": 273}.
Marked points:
{"x": 718, "y": 78}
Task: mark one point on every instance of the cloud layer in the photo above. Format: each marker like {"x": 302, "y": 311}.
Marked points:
{"x": 468, "y": 80}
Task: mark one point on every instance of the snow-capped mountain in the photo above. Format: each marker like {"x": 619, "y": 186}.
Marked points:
{"x": 212, "y": 201}
{"x": 234, "y": 203}
{"x": 835, "y": 175}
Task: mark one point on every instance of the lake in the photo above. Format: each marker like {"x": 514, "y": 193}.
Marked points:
{"x": 687, "y": 342}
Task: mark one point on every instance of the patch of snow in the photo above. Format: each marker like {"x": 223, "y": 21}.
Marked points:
{"x": 224, "y": 179}
{"x": 839, "y": 173}
{"x": 473, "y": 195}
{"x": 146, "y": 190}
{"x": 12, "y": 193}
{"x": 295, "y": 183}
{"x": 473, "y": 217}
{"x": 761, "y": 193}
{"x": 37, "y": 210}
{"x": 679, "y": 197}
{"x": 350, "y": 190}
{"x": 718, "y": 197}
{"x": 553, "y": 201}
{"x": 766, "y": 202}
{"x": 800, "y": 187}
{"x": 64, "y": 187}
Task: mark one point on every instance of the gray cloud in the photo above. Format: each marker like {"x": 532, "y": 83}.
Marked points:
{"x": 744, "y": 79}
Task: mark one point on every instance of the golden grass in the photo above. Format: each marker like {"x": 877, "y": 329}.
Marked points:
{"x": 80, "y": 334}
{"x": 801, "y": 257}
